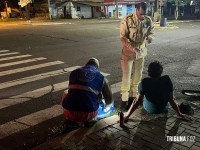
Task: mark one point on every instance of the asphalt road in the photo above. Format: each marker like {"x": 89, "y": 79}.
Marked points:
{"x": 69, "y": 45}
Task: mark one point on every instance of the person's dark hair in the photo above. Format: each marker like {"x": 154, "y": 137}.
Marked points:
{"x": 155, "y": 69}
{"x": 142, "y": 5}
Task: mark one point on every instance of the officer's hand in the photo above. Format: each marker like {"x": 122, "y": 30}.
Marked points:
{"x": 149, "y": 39}
{"x": 124, "y": 41}
{"x": 136, "y": 50}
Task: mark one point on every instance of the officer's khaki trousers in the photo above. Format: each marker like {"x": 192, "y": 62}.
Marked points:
{"x": 131, "y": 75}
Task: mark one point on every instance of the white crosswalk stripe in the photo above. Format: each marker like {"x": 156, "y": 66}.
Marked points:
{"x": 10, "y": 128}
{"x": 21, "y": 62}
{"x": 3, "y": 73}
{"x": 14, "y": 57}
{"x": 36, "y": 77}
{"x": 32, "y": 94}
{"x": 40, "y": 116}
{"x": 35, "y": 94}
{"x": 35, "y": 118}
{"x": 5, "y": 54}
{"x": 3, "y": 51}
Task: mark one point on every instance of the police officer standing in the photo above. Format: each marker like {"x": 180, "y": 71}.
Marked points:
{"x": 135, "y": 30}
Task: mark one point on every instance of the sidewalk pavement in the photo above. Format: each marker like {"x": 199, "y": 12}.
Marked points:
{"x": 143, "y": 132}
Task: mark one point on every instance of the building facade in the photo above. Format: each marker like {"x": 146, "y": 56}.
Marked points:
{"x": 80, "y": 9}
{"x": 125, "y": 7}
{"x": 97, "y": 8}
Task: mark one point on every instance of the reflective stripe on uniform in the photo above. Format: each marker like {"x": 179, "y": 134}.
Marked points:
{"x": 79, "y": 116}
{"x": 143, "y": 45}
{"x": 125, "y": 88}
{"x": 82, "y": 87}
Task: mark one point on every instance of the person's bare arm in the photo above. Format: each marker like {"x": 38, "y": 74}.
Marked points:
{"x": 176, "y": 108}
{"x": 134, "y": 106}
{"x": 107, "y": 93}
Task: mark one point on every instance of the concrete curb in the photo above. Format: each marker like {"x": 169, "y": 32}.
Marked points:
{"x": 54, "y": 22}
{"x": 82, "y": 133}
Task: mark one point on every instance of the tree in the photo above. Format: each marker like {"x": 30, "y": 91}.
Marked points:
{"x": 177, "y": 4}
{"x": 156, "y": 6}
{"x": 11, "y": 3}
{"x": 197, "y": 5}
{"x": 2, "y": 6}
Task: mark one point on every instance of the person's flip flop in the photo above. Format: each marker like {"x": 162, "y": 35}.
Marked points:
{"x": 190, "y": 92}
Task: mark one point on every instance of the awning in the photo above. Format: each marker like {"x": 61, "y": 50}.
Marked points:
{"x": 88, "y": 3}
{"x": 94, "y": 4}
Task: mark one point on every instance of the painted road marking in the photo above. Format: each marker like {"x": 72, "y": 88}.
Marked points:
{"x": 14, "y": 57}
{"x": 21, "y": 62}
{"x": 35, "y": 93}
{"x": 5, "y": 54}
{"x": 36, "y": 77}
{"x": 10, "y": 128}
{"x": 3, "y": 51}
{"x": 33, "y": 119}
{"x": 8, "y": 72}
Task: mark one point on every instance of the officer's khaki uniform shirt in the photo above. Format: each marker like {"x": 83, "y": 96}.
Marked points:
{"x": 136, "y": 32}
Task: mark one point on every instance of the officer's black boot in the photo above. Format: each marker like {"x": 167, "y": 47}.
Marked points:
{"x": 141, "y": 103}
{"x": 130, "y": 101}
{"x": 123, "y": 106}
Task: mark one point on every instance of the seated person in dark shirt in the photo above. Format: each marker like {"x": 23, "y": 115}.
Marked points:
{"x": 156, "y": 91}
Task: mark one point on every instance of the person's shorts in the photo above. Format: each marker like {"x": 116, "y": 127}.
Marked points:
{"x": 78, "y": 116}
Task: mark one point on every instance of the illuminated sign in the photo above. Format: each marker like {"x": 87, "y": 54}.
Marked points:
{"x": 24, "y": 2}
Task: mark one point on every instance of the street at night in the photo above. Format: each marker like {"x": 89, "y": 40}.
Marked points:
{"x": 36, "y": 59}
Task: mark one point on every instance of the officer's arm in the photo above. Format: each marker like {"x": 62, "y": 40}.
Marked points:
{"x": 123, "y": 32}
{"x": 150, "y": 32}
{"x": 106, "y": 91}
{"x": 124, "y": 35}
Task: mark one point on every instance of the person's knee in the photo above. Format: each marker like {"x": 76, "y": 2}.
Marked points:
{"x": 64, "y": 95}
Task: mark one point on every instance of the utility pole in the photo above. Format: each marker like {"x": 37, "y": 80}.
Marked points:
{"x": 6, "y": 9}
{"x": 156, "y": 6}
{"x": 116, "y": 10}
{"x": 49, "y": 4}
{"x": 27, "y": 8}
{"x": 156, "y": 13}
